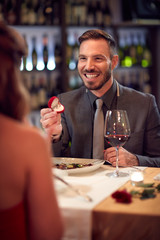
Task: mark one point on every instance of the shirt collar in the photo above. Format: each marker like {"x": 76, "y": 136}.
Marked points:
{"x": 107, "y": 97}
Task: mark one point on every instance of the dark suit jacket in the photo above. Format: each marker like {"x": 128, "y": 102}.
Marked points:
{"x": 77, "y": 122}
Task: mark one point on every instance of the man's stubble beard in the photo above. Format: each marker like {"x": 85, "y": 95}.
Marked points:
{"x": 106, "y": 78}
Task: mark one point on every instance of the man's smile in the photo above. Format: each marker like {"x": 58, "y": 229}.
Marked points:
{"x": 91, "y": 76}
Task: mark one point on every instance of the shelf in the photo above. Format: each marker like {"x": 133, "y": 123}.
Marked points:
{"x": 139, "y": 23}
{"x": 63, "y": 30}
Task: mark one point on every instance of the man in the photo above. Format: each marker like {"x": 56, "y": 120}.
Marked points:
{"x": 97, "y": 60}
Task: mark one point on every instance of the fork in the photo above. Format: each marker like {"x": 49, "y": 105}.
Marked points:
{"x": 78, "y": 191}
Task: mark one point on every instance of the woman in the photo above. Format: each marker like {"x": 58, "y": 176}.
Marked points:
{"x": 28, "y": 204}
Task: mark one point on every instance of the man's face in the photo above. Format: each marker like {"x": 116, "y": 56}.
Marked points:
{"x": 94, "y": 64}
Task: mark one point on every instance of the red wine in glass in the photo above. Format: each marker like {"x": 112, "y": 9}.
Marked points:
{"x": 116, "y": 140}
{"x": 117, "y": 133}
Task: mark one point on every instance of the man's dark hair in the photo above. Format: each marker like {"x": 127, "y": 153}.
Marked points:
{"x": 99, "y": 34}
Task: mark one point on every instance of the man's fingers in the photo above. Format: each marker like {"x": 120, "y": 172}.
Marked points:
{"x": 43, "y": 111}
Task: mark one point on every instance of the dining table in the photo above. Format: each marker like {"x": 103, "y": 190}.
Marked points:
{"x": 102, "y": 217}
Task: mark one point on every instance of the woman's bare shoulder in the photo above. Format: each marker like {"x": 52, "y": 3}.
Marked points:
{"x": 21, "y": 138}
{"x": 34, "y": 138}
{"x": 31, "y": 131}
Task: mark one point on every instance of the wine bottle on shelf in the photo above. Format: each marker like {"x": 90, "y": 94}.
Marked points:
{"x": 121, "y": 48}
{"x": 73, "y": 54}
{"x": 24, "y": 13}
{"x": 99, "y": 14}
{"x": 40, "y": 13}
{"x": 11, "y": 16}
{"x": 48, "y": 12}
{"x": 73, "y": 84}
{"x": 78, "y": 13}
{"x": 127, "y": 57}
{"x": 49, "y": 52}
{"x": 34, "y": 92}
{"x": 27, "y": 81}
{"x": 42, "y": 92}
{"x": 71, "y": 51}
{"x": 24, "y": 59}
{"x": 72, "y": 62}
{"x": 147, "y": 56}
{"x": 58, "y": 52}
{"x": 90, "y": 13}
{"x": 56, "y": 13}
{"x": 75, "y": 51}
{"x": 74, "y": 48}
{"x": 133, "y": 49}
{"x": 74, "y": 17}
{"x": 45, "y": 50}
{"x": 146, "y": 81}
{"x": 68, "y": 53}
{"x": 34, "y": 53}
{"x": 140, "y": 48}
{"x": 68, "y": 13}
{"x": 32, "y": 13}
{"x": 107, "y": 16}
{"x": 134, "y": 76}
{"x": 83, "y": 12}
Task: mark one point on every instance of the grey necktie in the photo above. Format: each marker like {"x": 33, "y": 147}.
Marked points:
{"x": 98, "y": 134}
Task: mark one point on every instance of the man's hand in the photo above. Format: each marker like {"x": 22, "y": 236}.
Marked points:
{"x": 125, "y": 158}
{"x": 51, "y": 122}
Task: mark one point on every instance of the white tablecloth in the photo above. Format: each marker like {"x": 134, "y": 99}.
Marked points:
{"x": 76, "y": 210}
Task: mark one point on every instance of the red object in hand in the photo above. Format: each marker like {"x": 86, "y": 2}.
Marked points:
{"x": 122, "y": 196}
{"x": 55, "y": 105}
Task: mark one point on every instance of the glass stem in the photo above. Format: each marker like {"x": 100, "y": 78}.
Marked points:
{"x": 117, "y": 153}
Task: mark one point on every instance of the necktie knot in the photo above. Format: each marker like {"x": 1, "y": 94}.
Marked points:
{"x": 99, "y": 103}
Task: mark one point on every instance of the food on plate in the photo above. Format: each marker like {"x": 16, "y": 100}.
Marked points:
{"x": 65, "y": 166}
{"x": 55, "y": 104}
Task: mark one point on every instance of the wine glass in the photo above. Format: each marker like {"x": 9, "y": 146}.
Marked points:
{"x": 117, "y": 132}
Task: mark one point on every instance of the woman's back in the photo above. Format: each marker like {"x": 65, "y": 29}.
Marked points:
{"x": 13, "y": 144}
{"x": 25, "y": 177}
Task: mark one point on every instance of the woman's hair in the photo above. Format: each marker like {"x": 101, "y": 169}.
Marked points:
{"x": 96, "y": 34}
{"x": 14, "y": 99}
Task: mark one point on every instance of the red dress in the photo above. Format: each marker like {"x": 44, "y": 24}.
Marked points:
{"x": 12, "y": 223}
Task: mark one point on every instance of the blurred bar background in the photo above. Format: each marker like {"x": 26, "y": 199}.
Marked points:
{"x": 51, "y": 29}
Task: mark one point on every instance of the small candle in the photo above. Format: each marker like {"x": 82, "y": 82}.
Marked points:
{"x": 136, "y": 177}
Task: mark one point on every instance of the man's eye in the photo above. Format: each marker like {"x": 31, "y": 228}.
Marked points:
{"x": 82, "y": 58}
{"x": 98, "y": 59}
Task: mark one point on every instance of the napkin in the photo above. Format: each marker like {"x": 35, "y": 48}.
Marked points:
{"x": 77, "y": 212}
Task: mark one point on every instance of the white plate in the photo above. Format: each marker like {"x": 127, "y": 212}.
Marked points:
{"x": 96, "y": 164}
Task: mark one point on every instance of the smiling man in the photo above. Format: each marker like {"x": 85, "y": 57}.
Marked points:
{"x": 97, "y": 60}
{"x": 96, "y": 63}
